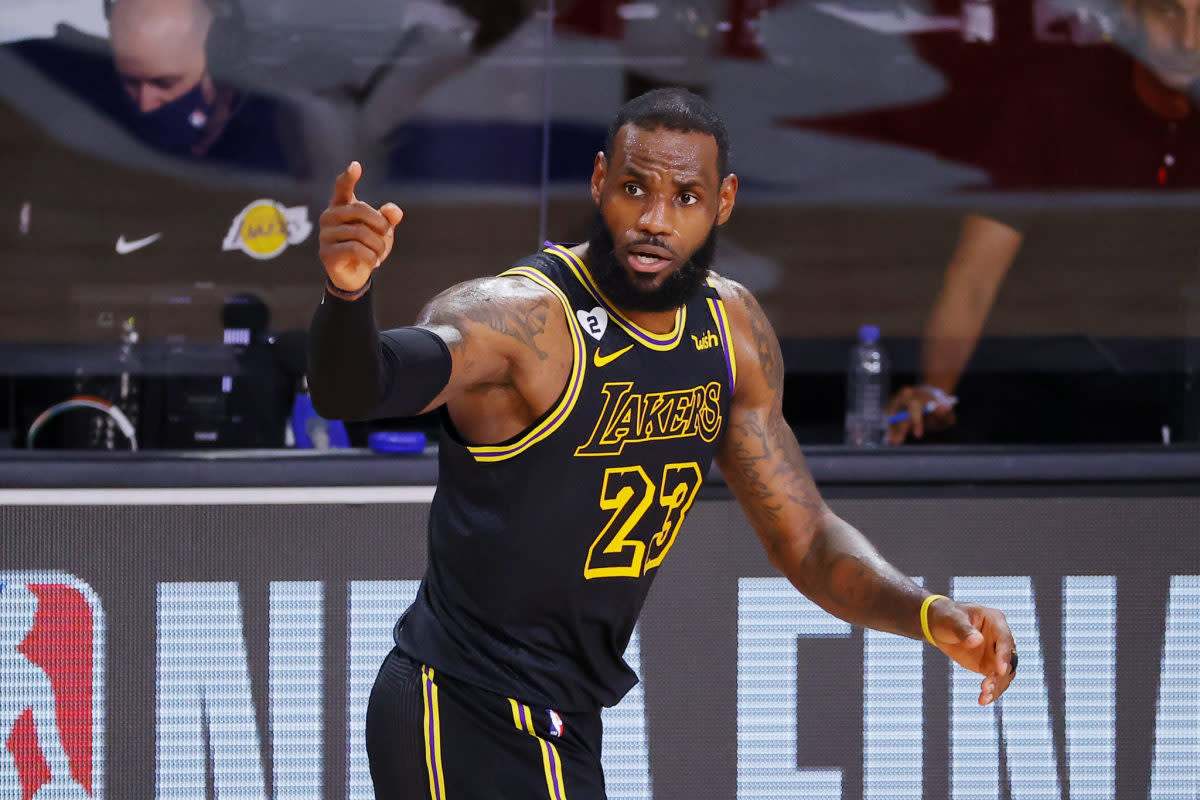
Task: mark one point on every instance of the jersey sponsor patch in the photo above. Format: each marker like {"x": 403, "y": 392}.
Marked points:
{"x": 265, "y": 228}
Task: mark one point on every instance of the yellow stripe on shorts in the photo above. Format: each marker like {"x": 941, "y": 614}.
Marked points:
{"x": 551, "y": 761}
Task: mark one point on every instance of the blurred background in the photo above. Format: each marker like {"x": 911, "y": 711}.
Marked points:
{"x": 1006, "y": 188}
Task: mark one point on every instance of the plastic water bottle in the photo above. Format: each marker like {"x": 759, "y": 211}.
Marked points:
{"x": 866, "y": 388}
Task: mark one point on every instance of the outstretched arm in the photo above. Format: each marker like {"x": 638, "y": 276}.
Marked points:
{"x": 474, "y": 334}
{"x": 822, "y": 555}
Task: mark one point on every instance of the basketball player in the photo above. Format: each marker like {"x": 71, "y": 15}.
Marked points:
{"x": 584, "y": 392}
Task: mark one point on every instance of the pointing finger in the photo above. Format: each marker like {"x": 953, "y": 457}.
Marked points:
{"x": 343, "y": 187}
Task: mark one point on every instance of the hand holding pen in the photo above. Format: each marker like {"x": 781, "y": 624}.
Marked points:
{"x": 917, "y": 409}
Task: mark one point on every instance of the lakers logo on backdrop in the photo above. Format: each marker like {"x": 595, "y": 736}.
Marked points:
{"x": 265, "y": 228}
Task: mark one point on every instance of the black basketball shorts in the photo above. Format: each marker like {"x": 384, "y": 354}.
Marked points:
{"x": 431, "y": 736}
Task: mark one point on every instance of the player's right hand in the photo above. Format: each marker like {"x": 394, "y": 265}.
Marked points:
{"x": 914, "y": 399}
{"x": 355, "y": 237}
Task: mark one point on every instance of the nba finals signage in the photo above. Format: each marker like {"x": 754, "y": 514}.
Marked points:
{"x": 186, "y": 657}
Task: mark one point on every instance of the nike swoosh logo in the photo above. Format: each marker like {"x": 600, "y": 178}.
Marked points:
{"x": 124, "y": 247}
{"x": 600, "y": 360}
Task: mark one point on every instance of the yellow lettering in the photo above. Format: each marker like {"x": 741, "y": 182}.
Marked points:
{"x": 664, "y": 404}
{"x": 615, "y": 395}
{"x": 258, "y": 231}
{"x": 623, "y": 422}
{"x": 683, "y": 418}
{"x": 629, "y": 417}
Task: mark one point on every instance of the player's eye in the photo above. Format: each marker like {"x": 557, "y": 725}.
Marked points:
{"x": 633, "y": 190}
{"x": 688, "y": 199}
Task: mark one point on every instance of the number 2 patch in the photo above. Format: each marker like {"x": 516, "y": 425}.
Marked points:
{"x": 594, "y": 322}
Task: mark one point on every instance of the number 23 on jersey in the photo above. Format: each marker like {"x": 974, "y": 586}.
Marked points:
{"x": 646, "y": 516}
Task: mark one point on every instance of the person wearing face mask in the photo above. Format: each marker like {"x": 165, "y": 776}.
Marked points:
{"x": 154, "y": 76}
{"x": 161, "y": 63}
{"x": 1123, "y": 118}
{"x": 170, "y": 99}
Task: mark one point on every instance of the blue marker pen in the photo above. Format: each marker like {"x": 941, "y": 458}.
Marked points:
{"x": 902, "y": 416}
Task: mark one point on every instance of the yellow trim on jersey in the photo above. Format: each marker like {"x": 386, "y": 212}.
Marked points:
{"x": 558, "y": 414}
{"x": 655, "y": 341}
{"x": 516, "y": 715}
{"x": 433, "y": 748}
{"x": 721, "y": 316}
{"x": 555, "y": 789}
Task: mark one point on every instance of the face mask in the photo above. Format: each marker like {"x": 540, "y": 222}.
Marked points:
{"x": 175, "y": 127}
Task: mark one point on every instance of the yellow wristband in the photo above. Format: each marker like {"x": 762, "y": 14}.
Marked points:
{"x": 925, "y": 616}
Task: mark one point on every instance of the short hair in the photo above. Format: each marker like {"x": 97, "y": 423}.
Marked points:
{"x": 674, "y": 109}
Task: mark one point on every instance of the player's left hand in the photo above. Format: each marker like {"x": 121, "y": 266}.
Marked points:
{"x": 979, "y": 639}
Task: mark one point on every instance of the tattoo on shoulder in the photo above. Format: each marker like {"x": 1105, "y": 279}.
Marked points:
{"x": 524, "y": 322}
{"x": 770, "y": 358}
{"x": 523, "y": 318}
{"x": 766, "y": 344}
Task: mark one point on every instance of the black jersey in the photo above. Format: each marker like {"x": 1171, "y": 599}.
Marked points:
{"x": 542, "y": 548}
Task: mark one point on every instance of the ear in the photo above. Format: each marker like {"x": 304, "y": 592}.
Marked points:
{"x": 599, "y": 171}
{"x": 727, "y": 197}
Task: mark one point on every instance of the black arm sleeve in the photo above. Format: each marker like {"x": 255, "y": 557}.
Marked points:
{"x": 356, "y": 372}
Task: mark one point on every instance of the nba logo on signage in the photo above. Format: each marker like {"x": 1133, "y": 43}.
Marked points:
{"x": 51, "y": 688}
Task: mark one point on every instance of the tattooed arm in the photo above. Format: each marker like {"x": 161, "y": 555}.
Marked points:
{"x": 502, "y": 333}
{"x": 822, "y": 555}
{"x": 481, "y": 334}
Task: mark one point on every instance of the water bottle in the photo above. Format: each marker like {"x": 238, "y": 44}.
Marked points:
{"x": 866, "y": 389}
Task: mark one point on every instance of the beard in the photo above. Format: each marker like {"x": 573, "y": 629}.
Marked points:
{"x": 629, "y": 293}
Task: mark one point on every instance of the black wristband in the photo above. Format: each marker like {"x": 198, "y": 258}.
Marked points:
{"x": 342, "y": 294}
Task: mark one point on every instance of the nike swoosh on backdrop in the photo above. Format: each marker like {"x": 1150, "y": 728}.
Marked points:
{"x": 600, "y": 360}
{"x": 124, "y": 247}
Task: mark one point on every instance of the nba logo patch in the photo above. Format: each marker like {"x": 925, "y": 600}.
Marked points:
{"x": 556, "y": 723}
{"x": 51, "y": 687}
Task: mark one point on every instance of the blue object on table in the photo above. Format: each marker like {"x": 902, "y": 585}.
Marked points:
{"x": 397, "y": 442}
{"x": 901, "y": 416}
{"x": 311, "y": 430}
